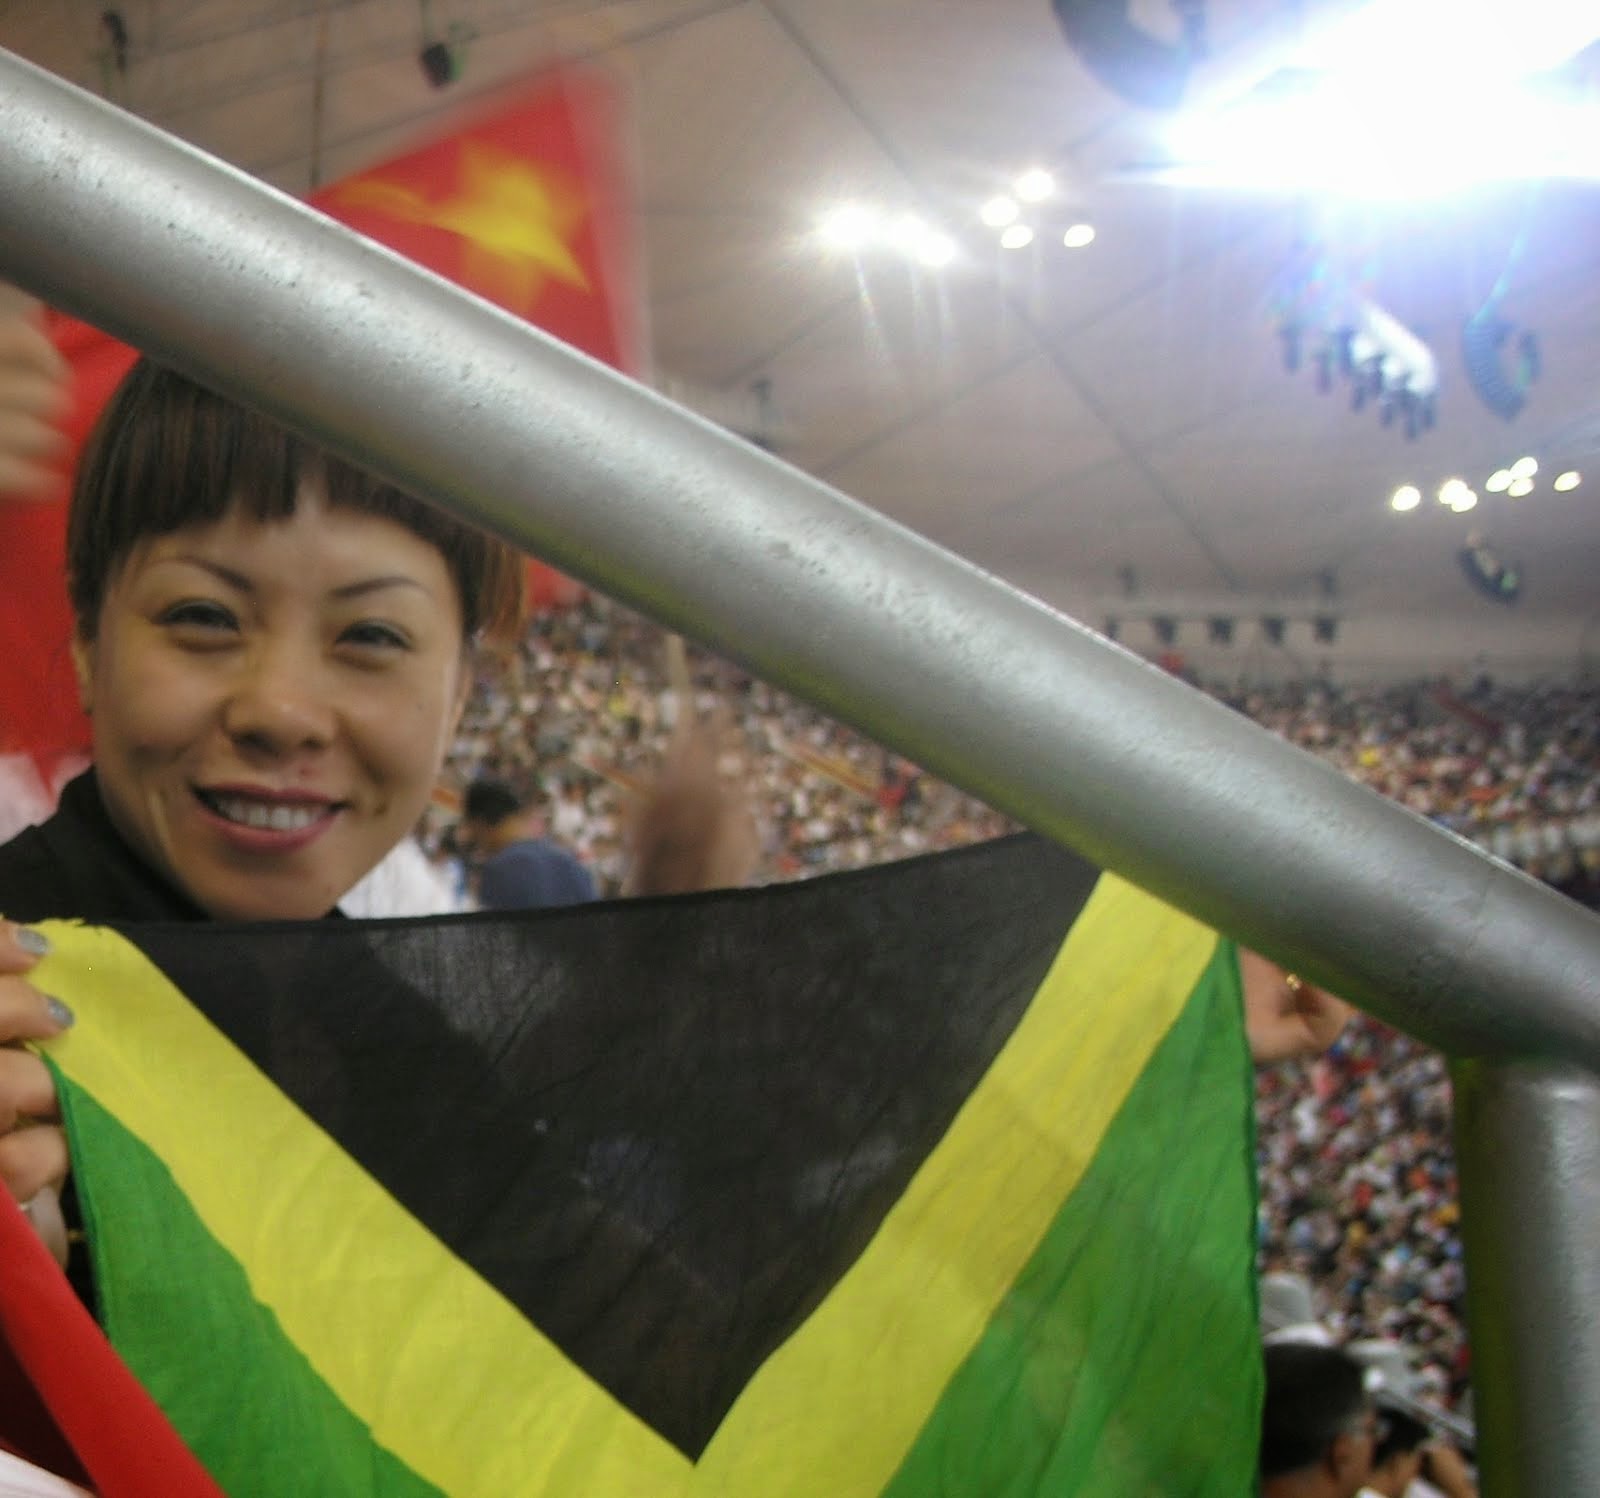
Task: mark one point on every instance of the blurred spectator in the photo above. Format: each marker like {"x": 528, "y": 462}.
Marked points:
{"x": 521, "y": 868}
{"x": 1318, "y": 1428}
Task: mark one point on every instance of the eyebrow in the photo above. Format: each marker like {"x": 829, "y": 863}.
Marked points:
{"x": 242, "y": 584}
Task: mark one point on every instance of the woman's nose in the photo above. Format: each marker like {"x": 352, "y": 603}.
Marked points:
{"x": 279, "y": 702}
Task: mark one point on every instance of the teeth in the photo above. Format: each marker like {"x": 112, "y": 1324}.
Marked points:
{"x": 266, "y": 818}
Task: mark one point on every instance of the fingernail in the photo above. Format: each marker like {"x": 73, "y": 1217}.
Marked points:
{"x": 34, "y": 943}
{"x": 60, "y": 1016}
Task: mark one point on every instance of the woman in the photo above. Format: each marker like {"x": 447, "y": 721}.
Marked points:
{"x": 274, "y": 650}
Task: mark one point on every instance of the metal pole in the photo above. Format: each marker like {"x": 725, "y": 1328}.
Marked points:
{"x": 256, "y": 295}
{"x": 1528, "y": 1148}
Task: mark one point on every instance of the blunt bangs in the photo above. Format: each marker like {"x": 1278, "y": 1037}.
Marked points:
{"x": 167, "y": 454}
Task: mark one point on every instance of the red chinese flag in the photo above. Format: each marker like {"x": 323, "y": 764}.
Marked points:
{"x": 528, "y": 206}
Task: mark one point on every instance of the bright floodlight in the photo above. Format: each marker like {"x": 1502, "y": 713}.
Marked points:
{"x": 1406, "y": 497}
{"x": 1519, "y": 487}
{"x": 1000, "y": 211}
{"x": 1499, "y": 481}
{"x": 1524, "y": 468}
{"x": 1078, "y": 236}
{"x": 1464, "y": 501}
{"x": 1354, "y": 111}
{"x": 936, "y": 249}
{"x": 1451, "y": 490}
{"x": 1016, "y": 237}
{"x": 1034, "y": 185}
{"x": 1569, "y": 480}
{"x": 851, "y": 226}
{"x": 1482, "y": 45}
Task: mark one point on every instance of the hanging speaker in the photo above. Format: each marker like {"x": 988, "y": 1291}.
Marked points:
{"x": 1500, "y": 367}
{"x": 1491, "y": 576}
{"x": 1127, "y": 59}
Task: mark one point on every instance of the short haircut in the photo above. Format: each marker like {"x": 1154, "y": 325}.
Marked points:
{"x": 1314, "y": 1395}
{"x": 1401, "y": 1435}
{"x": 167, "y": 453}
{"x": 491, "y": 801}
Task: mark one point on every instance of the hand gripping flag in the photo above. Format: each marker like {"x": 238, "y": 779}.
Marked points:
{"x": 931, "y": 1179}
{"x": 527, "y": 206}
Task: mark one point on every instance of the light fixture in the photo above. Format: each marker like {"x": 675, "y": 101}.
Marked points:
{"x": 1568, "y": 480}
{"x": 1016, "y": 237}
{"x": 1466, "y": 500}
{"x": 1034, "y": 185}
{"x": 1078, "y": 236}
{"x": 1499, "y": 481}
{"x": 1524, "y": 468}
{"x": 851, "y": 226}
{"x": 1451, "y": 490}
{"x": 935, "y": 249}
{"x": 1519, "y": 487}
{"x": 1000, "y": 211}
{"x": 1406, "y": 497}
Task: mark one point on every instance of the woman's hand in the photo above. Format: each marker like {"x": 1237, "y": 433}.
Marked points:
{"x": 33, "y": 1146}
{"x": 1285, "y": 1016}
{"x": 35, "y": 393}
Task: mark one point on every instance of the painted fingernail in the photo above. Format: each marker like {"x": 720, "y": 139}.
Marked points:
{"x": 34, "y": 943}
{"x": 60, "y": 1016}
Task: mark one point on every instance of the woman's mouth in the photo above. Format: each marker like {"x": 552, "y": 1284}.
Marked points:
{"x": 270, "y": 820}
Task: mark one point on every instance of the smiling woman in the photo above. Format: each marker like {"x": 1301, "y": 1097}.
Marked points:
{"x": 272, "y": 646}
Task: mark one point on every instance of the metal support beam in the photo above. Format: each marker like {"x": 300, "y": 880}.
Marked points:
{"x": 1528, "y": 1148}
{"x": 256, "y": 295}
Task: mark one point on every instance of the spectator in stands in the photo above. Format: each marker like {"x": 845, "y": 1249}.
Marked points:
{"x": 1408, "y": 1464}
{"x": 522, "y": 869}
{"x": 1318, "y": 1427}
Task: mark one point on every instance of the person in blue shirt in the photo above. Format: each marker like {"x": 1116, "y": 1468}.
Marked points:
{"x": 522, "y": 869}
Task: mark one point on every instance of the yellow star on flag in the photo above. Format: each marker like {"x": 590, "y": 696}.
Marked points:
{"x": 514, "y": 219}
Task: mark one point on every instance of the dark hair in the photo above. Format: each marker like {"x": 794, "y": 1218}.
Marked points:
{"x": 1401, "y": 1435}
{"x": 1314, "y": 1395}
{"x": 167, "y": 453}
{"x": 491, "y": 801}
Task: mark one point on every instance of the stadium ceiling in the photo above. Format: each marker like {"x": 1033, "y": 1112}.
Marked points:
{"x": 1057, "y": 415}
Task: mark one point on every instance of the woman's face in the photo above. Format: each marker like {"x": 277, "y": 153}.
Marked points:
{"x": 271, "y": 703}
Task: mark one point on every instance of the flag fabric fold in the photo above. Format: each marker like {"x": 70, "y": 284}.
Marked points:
{"x": 935, "y": 1178}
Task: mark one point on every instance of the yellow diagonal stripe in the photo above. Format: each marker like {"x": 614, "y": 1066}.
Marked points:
{"x": 834, "y": 1411}
{"x": 448, "y": 1375}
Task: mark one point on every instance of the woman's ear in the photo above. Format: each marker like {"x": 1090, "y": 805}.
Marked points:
{"x": 83, "y": 668}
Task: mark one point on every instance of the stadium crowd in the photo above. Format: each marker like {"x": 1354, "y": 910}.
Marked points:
{"x": 1358, "y": 1180}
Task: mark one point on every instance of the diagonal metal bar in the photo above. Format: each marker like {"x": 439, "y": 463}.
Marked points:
{"x": 256, "y": 295}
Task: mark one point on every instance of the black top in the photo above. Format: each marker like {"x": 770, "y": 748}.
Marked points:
{"x": 77, "y": 866}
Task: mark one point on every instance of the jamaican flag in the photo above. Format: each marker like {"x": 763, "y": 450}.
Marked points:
{"x": 931, "y": 1179}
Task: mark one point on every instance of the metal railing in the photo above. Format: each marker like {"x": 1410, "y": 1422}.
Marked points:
{"x": 252, "y": 293}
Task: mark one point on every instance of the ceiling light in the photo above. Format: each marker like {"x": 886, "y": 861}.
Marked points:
{"x": 1078, "y": 236}
{"x": 1466, "y": 500}
{"x": 1016, "y": 237}
{"x": 1034, "y": 185}
{"x": 1519, "y": 487}
{"x": 935, "y": 249}
{"x": 1524, "y": 468}
{"x": 1451, "y": 490}
{"x": 1406, "y": 497}
{"x": 851, "y": 226}
{"x": 998, "y": 212}
{"x": 1569, "y": 480}
{"x": 1499, "y": 481}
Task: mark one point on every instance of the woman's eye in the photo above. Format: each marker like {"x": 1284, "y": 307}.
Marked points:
{"x": 372, "y": 635}
{"x": 201, "y": 616}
